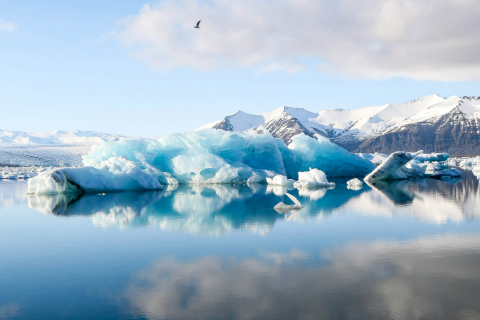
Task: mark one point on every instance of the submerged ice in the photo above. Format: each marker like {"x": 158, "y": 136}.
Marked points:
{"x": 202, "y": 157}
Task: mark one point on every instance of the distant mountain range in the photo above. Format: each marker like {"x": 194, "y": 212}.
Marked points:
{"x": 431, "y": 123}
{"x": 55, "y": 137}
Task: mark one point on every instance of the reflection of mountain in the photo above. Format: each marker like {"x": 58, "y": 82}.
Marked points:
{"x": 431, "y": 278}
{"x": 219, "y": 209}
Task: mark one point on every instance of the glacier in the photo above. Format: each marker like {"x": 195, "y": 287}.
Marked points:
{"x": 200, "y": 157}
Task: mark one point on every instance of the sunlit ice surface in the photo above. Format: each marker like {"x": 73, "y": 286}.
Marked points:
{"x": 401, "y": 250}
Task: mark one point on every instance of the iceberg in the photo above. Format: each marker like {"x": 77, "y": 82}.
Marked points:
{"x": 114, "y": 174}
{"x": 304, "y": 153}
{"x": 405, "y": 165}
{"x": 282, "y": 207}
{"x": 312, "y": 179}
{"x": 280, "y": 180}
{"x": 354, "y": 184}
{"x": 200, "y": 157}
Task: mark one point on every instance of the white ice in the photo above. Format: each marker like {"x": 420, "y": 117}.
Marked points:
{"x": 114, "y": 174}
{"x": 280, "y": 180}
{"x": 282, "y": 207}
{"x": 354, "y": 184}
{"x": 311, "y": 179}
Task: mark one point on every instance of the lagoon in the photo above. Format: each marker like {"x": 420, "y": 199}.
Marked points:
{"x": 402, "y": 250}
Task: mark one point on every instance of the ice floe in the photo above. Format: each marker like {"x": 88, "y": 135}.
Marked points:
{"x": 312, "y": 179}
{"x": 354, "y": 184}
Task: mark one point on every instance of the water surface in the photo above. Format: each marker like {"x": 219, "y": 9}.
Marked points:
{"x": 407, "y": 250}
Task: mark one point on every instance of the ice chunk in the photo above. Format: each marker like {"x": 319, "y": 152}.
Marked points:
{"x": 305, "y": 152}
{"x": 311, "y": 179}
{"x": 217, "y": 156}
{"x": 200, "y": 157}
{"x": 393, "y": 168}
{"x": 280, "y": 180}
{"x": 354, "y": 184}
{"x": 431, "y": 157}
{"x": 446, "y": 174}
{"x": 282, "y": 207}
{"x": 114, "y": 174}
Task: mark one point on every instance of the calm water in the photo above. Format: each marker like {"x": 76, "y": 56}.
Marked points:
{"x": 410, "y": 250}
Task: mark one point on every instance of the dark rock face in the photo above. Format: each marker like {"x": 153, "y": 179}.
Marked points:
{"x": 453, "y": 133}
{"x": 286, "y": 127}
{"x": 224, "y": 125}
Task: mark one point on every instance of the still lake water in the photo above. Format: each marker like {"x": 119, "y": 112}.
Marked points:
{"x": 409, "y": 250}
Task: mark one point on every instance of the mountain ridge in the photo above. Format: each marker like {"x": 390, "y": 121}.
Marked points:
{"x": 373, "y": 129}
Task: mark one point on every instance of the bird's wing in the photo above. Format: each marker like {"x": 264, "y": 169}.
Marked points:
{"x": 198, "y": 23}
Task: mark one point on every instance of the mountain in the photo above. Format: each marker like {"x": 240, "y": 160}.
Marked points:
{"x": 431, "y": 123}
{"x": 55, "y": 137}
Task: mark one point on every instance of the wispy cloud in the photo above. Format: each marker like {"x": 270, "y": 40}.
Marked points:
{"x": 6, "y": 26}
{"x": 435, "y": 40}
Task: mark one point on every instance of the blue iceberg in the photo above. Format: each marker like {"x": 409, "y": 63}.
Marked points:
{"x": 214, "y": 156}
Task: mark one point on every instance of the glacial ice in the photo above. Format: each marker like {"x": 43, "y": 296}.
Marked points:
{"x": 113, "y": 174}
{"x": 354, "y": 184}
{"x": 200, "y": 157}
{"x": 312, "y": 179}
{"x": 282, "y": 207}
{"x": 404, "y": 165}
{"x": 280, "y": 180}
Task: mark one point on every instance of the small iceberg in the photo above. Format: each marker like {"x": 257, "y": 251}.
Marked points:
{"x": 354, "y": 184}
{"x": 312, "y": 179}
{"x": 280, "y": 180}
{"x": 282, "y": 207}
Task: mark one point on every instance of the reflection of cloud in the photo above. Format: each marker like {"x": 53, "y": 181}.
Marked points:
{"x": 9, "y": 310}
{"x": 434, "y": 278}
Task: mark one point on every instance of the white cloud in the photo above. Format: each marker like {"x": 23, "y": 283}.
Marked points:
{"x": 6, "y": 26}
{"x": 426, "y": 278}
{"x": 428, "y": 39}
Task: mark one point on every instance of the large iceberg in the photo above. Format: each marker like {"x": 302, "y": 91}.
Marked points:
{"x": 205, "y": 157}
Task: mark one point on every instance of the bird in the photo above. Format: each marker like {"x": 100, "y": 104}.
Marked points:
{"x": 198, "y": 25}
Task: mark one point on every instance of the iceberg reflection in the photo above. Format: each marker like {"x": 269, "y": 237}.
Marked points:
{"x": 218, "y": 209}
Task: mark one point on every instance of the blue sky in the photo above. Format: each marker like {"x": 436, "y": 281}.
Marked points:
{"x": 85, "y": 65}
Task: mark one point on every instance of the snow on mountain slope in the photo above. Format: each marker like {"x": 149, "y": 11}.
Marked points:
{"x": 351, "y": 128}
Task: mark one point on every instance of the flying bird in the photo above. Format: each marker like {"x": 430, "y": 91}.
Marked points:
{"x": 198, "y": 25}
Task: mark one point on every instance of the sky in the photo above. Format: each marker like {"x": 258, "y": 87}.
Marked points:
{"x": 139, "y": 68}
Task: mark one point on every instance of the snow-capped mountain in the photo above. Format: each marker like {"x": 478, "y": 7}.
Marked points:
{"x": 431, "y": 123}
{"x": 55, "y": 137}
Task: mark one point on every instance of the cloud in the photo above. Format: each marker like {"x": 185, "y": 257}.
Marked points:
{"x": 6, "y": 26}
{"x": 429, "y": 278}
{"x": 428, "y": 39}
